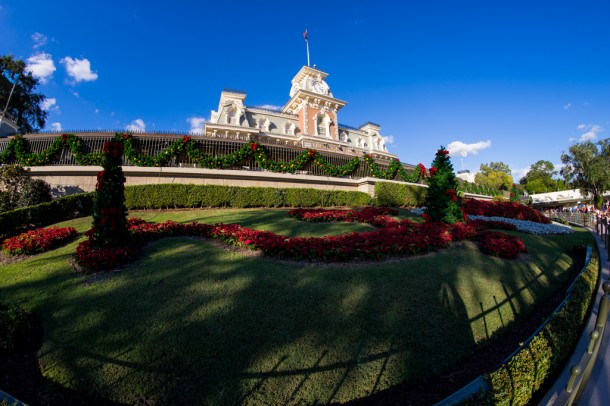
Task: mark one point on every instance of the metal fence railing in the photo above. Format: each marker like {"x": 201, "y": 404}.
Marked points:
{"x": 154, "y": 144}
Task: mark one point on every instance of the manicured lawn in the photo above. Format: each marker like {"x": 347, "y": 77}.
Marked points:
{"x": 195, "y": 323}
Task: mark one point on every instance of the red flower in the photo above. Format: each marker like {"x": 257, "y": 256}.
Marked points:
{"x": 186, "y": 139}
{"x": 311, "y": 152}
{"x": 254, "y": 146}
{"x": 504, "y": 209}
{"x": 64, "y": 137}
{"x": 433, "y": 171}
{"x": 501, "y": 245}
{"x": 422, "y": 170}
{"x": 451, "y": 193}
{"x": 39, "y": 240}
{"x": 442, "y": 152}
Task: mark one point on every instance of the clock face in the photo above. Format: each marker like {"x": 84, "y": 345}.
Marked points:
{"x": 319, "y": 87}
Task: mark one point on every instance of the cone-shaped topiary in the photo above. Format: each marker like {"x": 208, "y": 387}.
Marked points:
{"x": 109, "y": 211}
{"x": 442, "y": 201}
{"x": 514, "y": 193}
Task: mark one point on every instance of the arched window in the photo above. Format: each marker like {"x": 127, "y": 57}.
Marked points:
{"x": 232, "y": 116}
{"x": 321, "y": 131}
{"x": 323, "y": 125}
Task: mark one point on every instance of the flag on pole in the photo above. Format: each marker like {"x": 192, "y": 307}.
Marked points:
{"x": 12, "y": 77}
{"x": 305, "y": 36}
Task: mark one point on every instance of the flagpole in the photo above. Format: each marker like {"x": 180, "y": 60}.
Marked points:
{"x": 306, "y": 36}
{"x": 9, "y": 99}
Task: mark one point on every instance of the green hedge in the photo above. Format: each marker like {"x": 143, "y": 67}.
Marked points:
{"x": 177, "y": 195}
{"x": 170, "y": 196}
{"x": 397, "y": 194}
{"x": 45, "y": 214}
{"x": 532, "y": 368}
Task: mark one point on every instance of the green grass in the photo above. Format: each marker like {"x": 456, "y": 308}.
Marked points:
{"x": 194, "y": 323}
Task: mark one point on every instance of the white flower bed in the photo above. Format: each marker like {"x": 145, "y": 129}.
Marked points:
{"x": 522, "y": 225}
{"x": 529, "y": 226}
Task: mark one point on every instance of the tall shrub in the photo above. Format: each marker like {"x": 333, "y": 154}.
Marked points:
{"x": 109, "y": 211}
{"x": 442, "y": 201}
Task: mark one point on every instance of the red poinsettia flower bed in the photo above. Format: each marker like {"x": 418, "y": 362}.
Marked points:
{"x": 396, "y": 238}
{"x": 39, "y": 240}
{"x": 499, "y": 225}
{"x": 104, "y": 258}
{"x": 376, "y": 216}
{"x": 512, "y": 210}
{"x": 501, "y": 245}
{"x": 393, "y": 238}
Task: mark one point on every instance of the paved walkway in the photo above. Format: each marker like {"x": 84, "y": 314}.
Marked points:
{"x": 597, "y": 391}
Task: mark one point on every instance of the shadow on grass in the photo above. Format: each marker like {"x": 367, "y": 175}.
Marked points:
{"x": 192, "y": 323}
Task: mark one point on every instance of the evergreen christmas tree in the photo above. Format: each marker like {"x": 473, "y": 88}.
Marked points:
{"x": 442, "y": 201}
{"x": 109, "y": 211}
{"x": 515, "y": 194}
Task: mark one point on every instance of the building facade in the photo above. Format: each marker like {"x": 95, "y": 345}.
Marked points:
{"x": 309, "y": 119}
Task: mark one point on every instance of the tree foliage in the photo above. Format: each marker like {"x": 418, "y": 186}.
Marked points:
{"x": 587, "y": 166}
{"x": 495, "y": 167}
{"x": 540, "y": 178}
{"x": 25, "y": 103}
{"x": 495, "y": 175}
{"x": 443, "y": 204}
{"x": 18, "y": 189}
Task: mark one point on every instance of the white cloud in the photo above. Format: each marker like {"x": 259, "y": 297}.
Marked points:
{"x": 136, "y": 126}
{"x": 39, "y": 40}
{"x": 269, "y": 107}
{"x": 457, "y": 147}
{"x": 56, "y": 126}
{"x": 590, "y": 132}
{"x": 49, "y": 104}
{"x": 567, "y": 106}
{"x": 519, "y": 173}
{"x": 41, "y": 65}
{"x": 196, "y": 124}
{"x": 79, "y": 69}
{"x": 388, "y": 139}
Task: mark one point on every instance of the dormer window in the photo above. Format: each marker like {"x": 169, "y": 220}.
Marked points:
{"x": 263, "y": 124}
{"x": 289, "y": 129}
{"x": 232, "y": 116}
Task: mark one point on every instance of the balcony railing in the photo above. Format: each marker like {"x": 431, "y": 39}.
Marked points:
{"x": 154, "y": 144}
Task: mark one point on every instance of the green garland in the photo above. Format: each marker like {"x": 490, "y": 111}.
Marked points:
{"x": 16, "y": 148}
{"x": 186, "y": 144}
{"x": 140, "y": 159}
{"x": 8, "y": 153}
{"x": 77, "y": 148}
{"x": 394, "y": 168}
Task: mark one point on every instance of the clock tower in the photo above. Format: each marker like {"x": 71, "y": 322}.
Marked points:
{"x": 313, "y": 103}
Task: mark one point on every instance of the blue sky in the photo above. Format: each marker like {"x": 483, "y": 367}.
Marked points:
{"x": 512, "y": 81}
